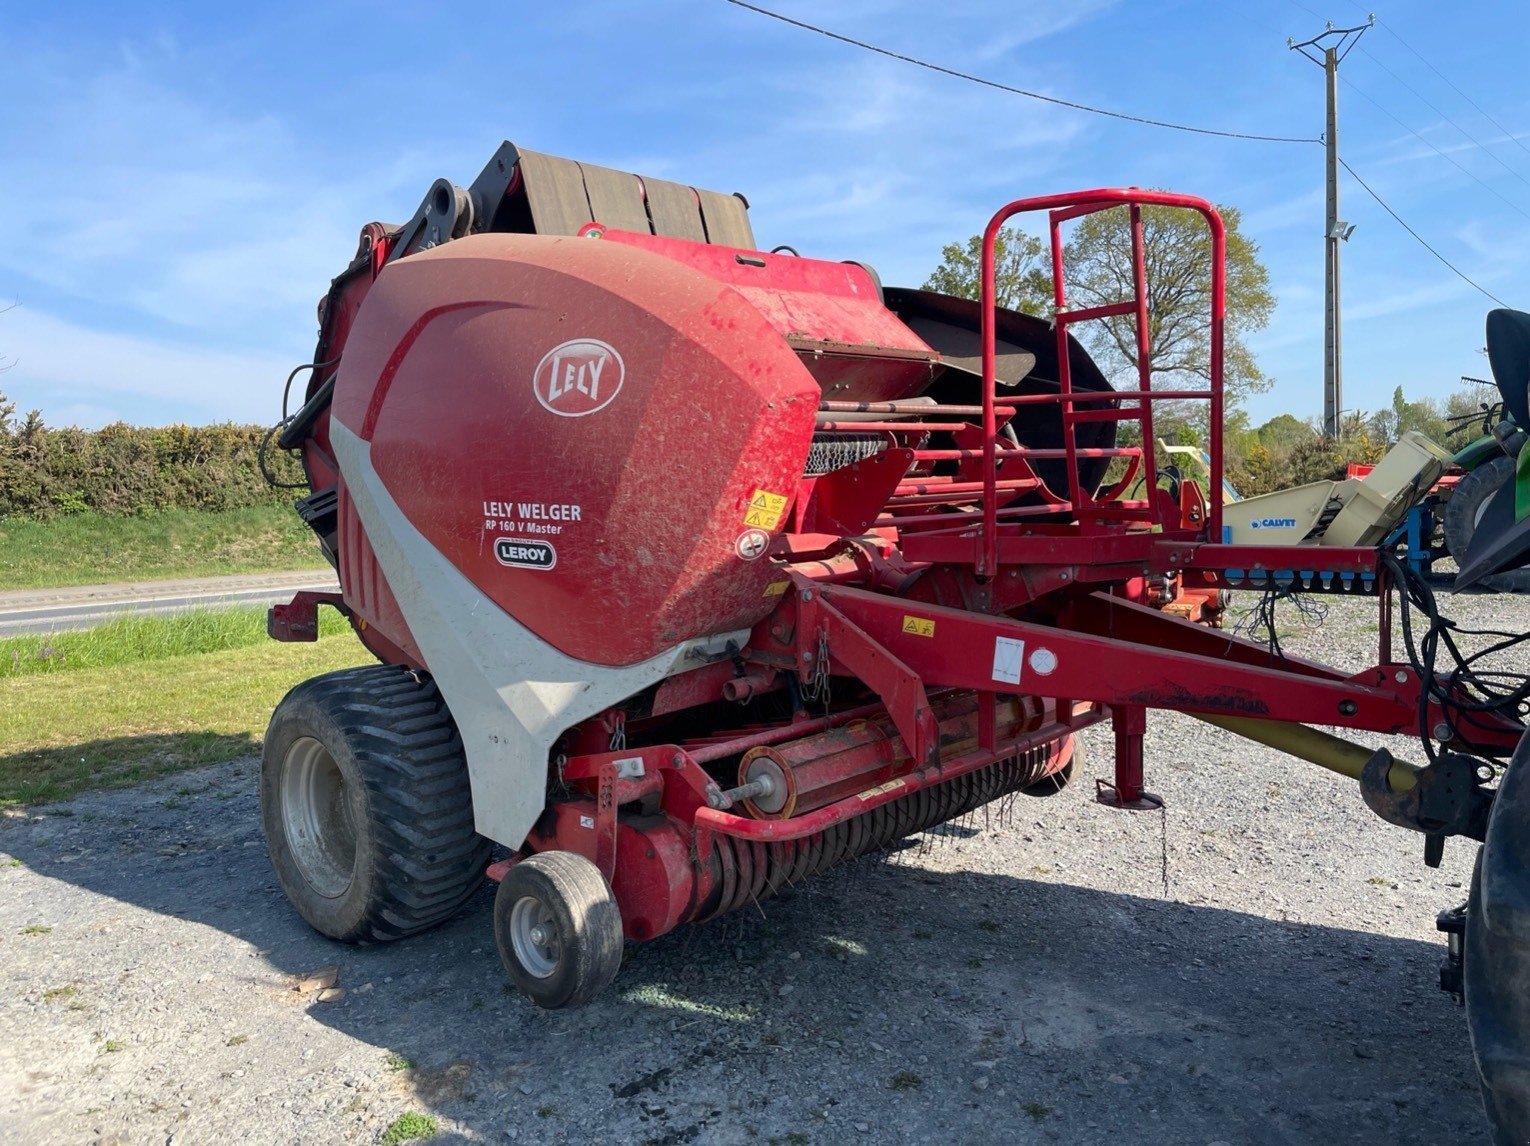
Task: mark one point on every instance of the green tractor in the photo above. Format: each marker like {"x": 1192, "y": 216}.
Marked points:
{"x": 1487, "y": 520}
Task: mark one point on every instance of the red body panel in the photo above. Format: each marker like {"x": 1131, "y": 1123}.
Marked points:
{"x": 613, "y": 525}
{"x": 830, "y": 313}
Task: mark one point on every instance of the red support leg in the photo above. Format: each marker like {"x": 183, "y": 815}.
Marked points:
{"x": 1129, "y": 722}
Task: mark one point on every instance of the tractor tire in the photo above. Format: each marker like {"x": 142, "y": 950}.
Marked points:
{"x": 1496, "y": 956}
{"x": 367, "y": 810}
{"x": 558, "y": 929}
{"x": 1468, "y": 501}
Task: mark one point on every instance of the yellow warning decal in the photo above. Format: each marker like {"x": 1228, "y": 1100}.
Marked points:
{"x": 919, "y": 626}
{"x": 873, "y": 793}
{"x": 775, "y": 588}
{"x": 765, "y": 509}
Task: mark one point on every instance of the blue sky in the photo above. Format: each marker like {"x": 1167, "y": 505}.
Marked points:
{"x": 182, "y": 180}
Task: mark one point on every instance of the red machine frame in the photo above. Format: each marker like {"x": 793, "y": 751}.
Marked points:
{"x": 904, "y": 570}
{"x": 1107, "y": 650}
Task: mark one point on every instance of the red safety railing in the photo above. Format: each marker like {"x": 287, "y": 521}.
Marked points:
{"x": 1093, "y": 513}
{"x": 1090, "y": 511}
{"x": 995, "y": 491}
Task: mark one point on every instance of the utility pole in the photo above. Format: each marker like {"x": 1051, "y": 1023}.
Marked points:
{"x": 1334, "y": 43}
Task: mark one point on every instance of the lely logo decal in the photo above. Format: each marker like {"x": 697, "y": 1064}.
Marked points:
{"x": 520, "y": 554}
{"x": 579, "y": 377}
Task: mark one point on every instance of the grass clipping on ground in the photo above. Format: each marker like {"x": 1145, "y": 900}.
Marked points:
{"x": 145, "y": 697}
{"x": 74, "y": 550}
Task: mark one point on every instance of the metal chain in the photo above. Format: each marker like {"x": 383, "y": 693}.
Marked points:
{"x": 619, "y": 733}
{"x": 817, "y": 686}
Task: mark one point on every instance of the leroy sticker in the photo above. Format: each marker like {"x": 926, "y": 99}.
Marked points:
{"x": 579, "y": 377}
{"x": 765, "y": 509}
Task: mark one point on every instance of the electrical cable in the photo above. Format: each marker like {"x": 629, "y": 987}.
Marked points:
{"x": 1420, "y": 239}
{"x": 265, "y": 443}
{"x": 1468, "y": 692}
{"x": 1513, "y": 206}
{"x": 1430, "y": 105}
{"x": 1509, "y": 135}
{"x": 863, "y": 45}
{"x": 1261, "y": 618}
{"x": 1139, "y": 119}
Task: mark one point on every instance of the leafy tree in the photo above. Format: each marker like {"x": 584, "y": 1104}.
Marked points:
{"x": 1284, "y": 433}
{"x": 1022, "y": 272}
{"x": 1098, "y": 266}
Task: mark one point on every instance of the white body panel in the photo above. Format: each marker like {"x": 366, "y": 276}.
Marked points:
{"x": 511, "y": 693}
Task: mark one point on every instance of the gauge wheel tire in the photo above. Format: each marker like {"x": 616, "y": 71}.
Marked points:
{"x": 558, "y": 929}
{"x": 366, "y": 805}
{"x": 1468, "y": 501}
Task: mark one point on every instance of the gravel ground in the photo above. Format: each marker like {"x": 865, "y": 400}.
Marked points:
{"x": 1256, "y": 964}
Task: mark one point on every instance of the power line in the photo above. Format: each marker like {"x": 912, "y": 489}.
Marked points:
{"x": 1484, "y": 147}
{"x": 1150, "y": 122}
{"x": 1420, "y": 239}
{"x": 1014, "y": 90}
{"x": 1448, "y": 159}
{"x": 1483, "y": 111}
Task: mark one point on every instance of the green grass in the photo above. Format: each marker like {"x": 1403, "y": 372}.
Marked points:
{"x": 130, "y": 640}
{"x": 91, "y": 548}
{"x": 407, "y": 1128}
{"x": 109, "y": 727}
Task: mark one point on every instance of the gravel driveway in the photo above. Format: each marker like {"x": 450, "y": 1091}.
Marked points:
{"x": 1257, "y": 964}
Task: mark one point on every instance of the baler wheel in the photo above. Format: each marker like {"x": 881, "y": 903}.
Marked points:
{"x": 366, "y": 807}
{"x": 558, "y": 929}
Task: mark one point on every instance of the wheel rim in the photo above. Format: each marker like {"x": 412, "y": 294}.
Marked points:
{"x": 534, "y": 936}
{"x": 319, "y": 814}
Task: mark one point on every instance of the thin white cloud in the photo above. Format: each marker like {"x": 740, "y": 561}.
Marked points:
{"x": 76, "y": 374}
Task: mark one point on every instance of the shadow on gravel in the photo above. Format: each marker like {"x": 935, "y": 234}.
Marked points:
{"x": 40, "y": 775}
{"x": 918, "y": 1005}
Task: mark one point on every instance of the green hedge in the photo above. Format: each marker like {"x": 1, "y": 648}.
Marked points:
{"x": 122, "y": 469}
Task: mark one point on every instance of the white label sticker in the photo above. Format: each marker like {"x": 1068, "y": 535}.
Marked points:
{"x": 1043, "y": 661}
{"x": 1008, "y": 655}
{"x": 587, "y": 822}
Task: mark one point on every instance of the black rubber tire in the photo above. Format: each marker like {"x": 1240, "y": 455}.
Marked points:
{"x": 1464, "y": 510}
{"x": 588, "y": 927}
{"x": 1497, "y": 957}
{"x": 1468, "y": 500}
{"x": 403, "y": 784}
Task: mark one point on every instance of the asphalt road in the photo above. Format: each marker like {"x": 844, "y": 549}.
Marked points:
{"x": 79, "y": 607}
